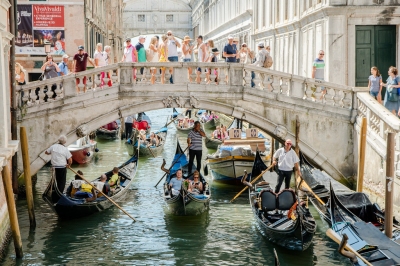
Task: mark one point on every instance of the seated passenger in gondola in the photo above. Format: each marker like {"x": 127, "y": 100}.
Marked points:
{"x": 204, "y": 117}
{"x": 113, "y": 182}
{"x": 186, "y": 122}
{"x": 103, "y": 186}
{"x": 196, "y": 186}
{"x": 154, "y": 140}
{"x": 217, "y": 133}
{"x": 75, "y": 186}
{"x": 176, "y": 183}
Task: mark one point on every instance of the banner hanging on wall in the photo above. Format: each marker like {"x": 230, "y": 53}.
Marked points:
{"x": 39, "y": 25}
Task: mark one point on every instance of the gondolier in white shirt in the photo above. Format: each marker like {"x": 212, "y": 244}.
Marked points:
{"x": 286, "y": 158}
{"x": 60, "y": 159}
{"x": 195, "y": 144}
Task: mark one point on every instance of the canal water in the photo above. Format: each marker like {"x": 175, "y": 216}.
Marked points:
{"x": 226, "y": 235}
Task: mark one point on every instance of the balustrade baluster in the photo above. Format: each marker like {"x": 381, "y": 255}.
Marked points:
{"x": 89, "y": 82}
{"x": 212, "y": 75}
{"x": 81, "y": 85}
{"x": 285, "y": 87}
{"x": 276, "y": 85}
{"x": 97, "y": 80}
{"x": 43, "y": 94}
{"x": 247, "y": 78}
{"x": 58, "y": 91}
{"x": 257, "y": 80}
{"x": 114, "y": 77}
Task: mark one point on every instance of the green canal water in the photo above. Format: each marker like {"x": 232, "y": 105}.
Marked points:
{"x": 226, "y": 235}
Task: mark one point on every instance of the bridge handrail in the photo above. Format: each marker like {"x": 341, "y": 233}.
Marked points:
{"x": 234, "y": 74}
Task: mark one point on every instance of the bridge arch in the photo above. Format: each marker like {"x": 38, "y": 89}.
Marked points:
{"x": 279, "y": 128}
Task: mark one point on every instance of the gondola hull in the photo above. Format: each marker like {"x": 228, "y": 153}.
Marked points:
{"x": 68, "y": 208}
{"x": 211, "y": 124}
{"x": 183, "y": 130}
{"x": 212, "y": 143}
{"x": 145, "y": 151}
{"x": 187, "y": 205}
{"x": 106, "y": 134}
{"x": 297, "y": 238}
{"x": 229, "y": 170}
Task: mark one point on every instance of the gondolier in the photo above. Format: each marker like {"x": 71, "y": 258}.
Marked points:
{"x": 287, "y": 159}
{"x": 60, "y": 158}
{"x": 195, "y": 146}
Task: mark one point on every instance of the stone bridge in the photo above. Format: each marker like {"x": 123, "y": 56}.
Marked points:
{"x": 329, "y": 126}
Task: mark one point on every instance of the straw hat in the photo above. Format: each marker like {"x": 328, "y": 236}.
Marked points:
{"x": 186, "y": 38}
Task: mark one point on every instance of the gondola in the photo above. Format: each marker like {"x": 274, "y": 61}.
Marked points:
{"x": 67, "y": 208}
{"x": 110, "y": 131}
{"x": 83, "y": 150}
{"x": 281, "y": 218}
{"x": 178, "y": 116}
{"x": 374, "y": 246}
{"x": 212, "y": 143}
{"x": 185, "y": 203}
{"x": 356, "y": 202}
{"x": 144, "y": 149}
{"x": 210, "y": 124}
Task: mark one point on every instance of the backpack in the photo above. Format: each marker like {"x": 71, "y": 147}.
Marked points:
{"x": 149, "y": 55}
{"x": 268, "y": 61}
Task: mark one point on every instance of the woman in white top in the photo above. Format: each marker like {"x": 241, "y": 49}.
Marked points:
{"x": 245, "y": 54}
{"x": 154, "y": 51}
{"x": 100, "y": 61}
{"x": 187, "y": 54}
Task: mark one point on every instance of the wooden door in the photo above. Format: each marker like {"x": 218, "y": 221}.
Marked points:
{"x": 375, "y": 46}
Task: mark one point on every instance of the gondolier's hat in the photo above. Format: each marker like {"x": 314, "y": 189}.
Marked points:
{"x": 214, "y": 50}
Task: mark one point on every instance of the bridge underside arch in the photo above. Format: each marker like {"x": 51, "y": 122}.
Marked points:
{"x": 321, "y": 138}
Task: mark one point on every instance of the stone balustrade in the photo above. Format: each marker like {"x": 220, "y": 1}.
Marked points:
{"x": 45, "y": 91}
{"x": 380, "y": 121}
{"x": 234, "y": 75}
{"x": 300, "y": 87}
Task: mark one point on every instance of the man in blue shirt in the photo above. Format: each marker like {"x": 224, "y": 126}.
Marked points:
{"x": 141, "y": 51}
{"x": 230, "y": 51}
{"x": 63, "y": 66}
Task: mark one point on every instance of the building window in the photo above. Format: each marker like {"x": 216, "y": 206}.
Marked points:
{"x": 170, "y": 18}
{"x": 141, "y": 18}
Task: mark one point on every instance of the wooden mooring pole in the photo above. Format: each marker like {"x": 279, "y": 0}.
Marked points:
{"x": 297, "y": 148}
{"x": 389, "y": 184}
{"x": 12, "y": 211}
{"x": 27, "y": 177}
{"x": 361, "y": 154}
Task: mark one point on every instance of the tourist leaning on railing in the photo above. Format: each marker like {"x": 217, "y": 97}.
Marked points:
{"x": 100, "y": 61}
{"x": 50, "y": 70}
{"x": 391, "y": 101}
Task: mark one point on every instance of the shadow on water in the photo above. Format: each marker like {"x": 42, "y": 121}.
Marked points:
{"x": 226, "y": 235}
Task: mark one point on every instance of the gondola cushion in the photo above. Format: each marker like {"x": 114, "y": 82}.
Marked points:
{"x": 286, "y": 199}
{"x": 268, "y": 200}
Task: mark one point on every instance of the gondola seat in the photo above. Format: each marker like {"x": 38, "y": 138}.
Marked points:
{"x": 268, "y": 200}
{"x": 285, "y": 199}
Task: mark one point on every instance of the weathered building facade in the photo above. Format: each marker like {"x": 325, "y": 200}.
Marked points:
{"x": 355, "y": 34}
{"x": 7, "y": 146}
{"x": 86, "y": 22}
{"x": 157, "y": 17}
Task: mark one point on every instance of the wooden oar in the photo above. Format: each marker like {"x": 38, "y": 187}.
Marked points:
{"x": 148, "y": 147}
{"x": 335, "y": 237}
{"x": 171, "y": 121}
{"x": 113, "y": 202}
{"x": 304, "y": 183}
{"x": 171, "y": 166}
{"x": 252, "y": 182}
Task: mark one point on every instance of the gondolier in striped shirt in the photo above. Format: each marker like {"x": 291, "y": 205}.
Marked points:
{"x": 195, "y": 144}
{"x": 60, "y": 159}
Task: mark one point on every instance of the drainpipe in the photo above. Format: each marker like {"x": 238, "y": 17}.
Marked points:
{"x": 13, "y": 100}
{"x": 85, "y": 23}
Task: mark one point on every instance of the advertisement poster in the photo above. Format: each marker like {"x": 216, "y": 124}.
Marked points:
{"x": 44, "y": 25}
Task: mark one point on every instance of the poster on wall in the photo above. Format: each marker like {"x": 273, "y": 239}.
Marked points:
{"x": 46, "y": 27}
{"x": 24, "y": 26}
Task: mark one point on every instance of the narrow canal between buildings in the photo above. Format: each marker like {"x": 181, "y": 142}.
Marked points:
{"x": 226, "y": 235}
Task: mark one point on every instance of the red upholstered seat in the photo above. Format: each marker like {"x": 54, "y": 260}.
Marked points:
{"x": 140, "y": 125}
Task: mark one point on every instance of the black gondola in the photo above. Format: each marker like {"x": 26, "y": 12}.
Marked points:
{"x": 144, "y": 149}
{"x": 374, "y": 246}
{"x": 356, "y": 202}
{"x": 178, "y": 116}
{"x": 110, "y": 131}
{"x": 66, "y": 207}
{"x": 281, "y": 218}
{"x": 185, "y": 203}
